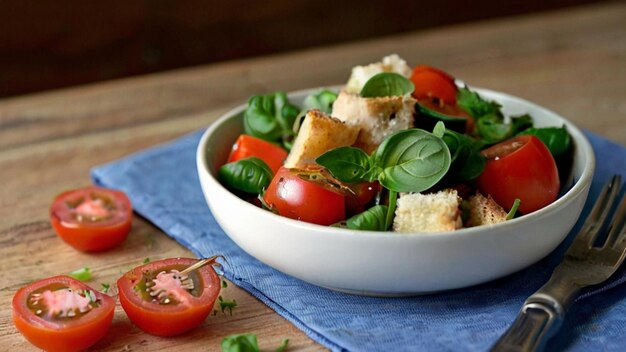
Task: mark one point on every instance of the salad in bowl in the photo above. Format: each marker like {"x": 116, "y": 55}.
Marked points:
{"x": 402, "y": 181}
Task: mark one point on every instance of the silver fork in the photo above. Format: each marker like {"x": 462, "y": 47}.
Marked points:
{"x": 583, "y": 265}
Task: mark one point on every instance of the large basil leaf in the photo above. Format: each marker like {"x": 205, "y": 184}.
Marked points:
{"x": 347, "y": 164}
{"x": 270, "y": 117}
{"x": 373, "y": 219}
{"x": 411, "y": 160}
{"x": 250, "y": 175}
{"x": 475, "y": 105}
{"x": 467, "y": 160}
{"x": 386, "y": 84}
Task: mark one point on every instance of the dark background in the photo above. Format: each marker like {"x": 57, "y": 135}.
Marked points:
{"x": 48, "y": 44}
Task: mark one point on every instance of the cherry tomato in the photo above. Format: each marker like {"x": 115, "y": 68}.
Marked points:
{"x": 293, "y": 197}
{"x": 436, "y": 110}
{"x": 432, "y": 83}
{"x": 92, "y": 219}
{"x": 359, "y": 196}
{"x": 62, "y": 314}
{"x": 161, "y": 302}
{"x": 246, "y": 146}
{"x": 521, "y": 167}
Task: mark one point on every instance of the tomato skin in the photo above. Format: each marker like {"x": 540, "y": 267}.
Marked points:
{"x": 168, "y": 320}
{"x": 295, "y": 198}
{"x": 432, "y": 83}
{"x": 246, "y": 146}
{"x": 521, "y": 167}
{"x": 361, "y": 194}
{"x": 92, "y": 236}
{"x": 70, "y": 335}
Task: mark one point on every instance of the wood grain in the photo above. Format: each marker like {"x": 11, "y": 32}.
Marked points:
{"x": 573, "y": 62}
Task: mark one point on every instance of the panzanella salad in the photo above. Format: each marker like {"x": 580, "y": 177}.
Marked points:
{"x": 396, "y": 149}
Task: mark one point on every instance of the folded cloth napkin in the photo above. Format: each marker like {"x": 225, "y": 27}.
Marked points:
{"x": 163, "y": 186}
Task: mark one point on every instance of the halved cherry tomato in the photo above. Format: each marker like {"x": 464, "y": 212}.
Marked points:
{"x": 291, "y": 196}
{"x": 521, "y": 167}
{"x": 92, "y": 219}
{"x": 359, "y": 196}
{"x": 62, "y": 314}
{"x": 247, "y": 146}
{"x": 161, "y": 302}
{"x": 432, "y": 83}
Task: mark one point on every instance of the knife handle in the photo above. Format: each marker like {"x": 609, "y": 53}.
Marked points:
{"x": 535, "y": 324}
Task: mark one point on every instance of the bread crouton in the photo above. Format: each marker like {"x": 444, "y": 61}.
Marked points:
{"x": 484, "y": 211}
{"x": 376, "y": 117}
{"x": 361, "y": 74}
{"x": 433, "y": 212}
{"x": 319, "y": 133}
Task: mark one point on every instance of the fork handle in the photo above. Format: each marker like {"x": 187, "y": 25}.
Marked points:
{"x": 540, "y": 318}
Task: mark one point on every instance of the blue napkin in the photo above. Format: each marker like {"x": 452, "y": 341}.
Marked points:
{"x": 163, "y": 186}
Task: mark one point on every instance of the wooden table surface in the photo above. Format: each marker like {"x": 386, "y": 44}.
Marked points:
{"x": 572, "y": 61}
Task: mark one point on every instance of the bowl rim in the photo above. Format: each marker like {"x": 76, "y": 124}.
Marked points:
{"x": 580, "y": 185}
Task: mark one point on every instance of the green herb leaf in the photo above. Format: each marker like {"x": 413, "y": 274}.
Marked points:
{"x": 240, "y": 343}
{"x": 373, "y": 219}
{"x": 322, "y": 100}
{"x": 250, "y": 175}
{"x": 146, "y": 260}
{"x": 271, "y": 117}
{"x": 230, "y": 305}
{"x": 475, "y": 105}
{"x": 105, "y": 287}
{"x": 283, "y": 346}
{"x": 467, "y": 160}
{"x": 347, "y": 164}
{"x": 224, "y": 284}
{"x": 386, "y": 84}
{"x": 557, "y": 139}
{"x": 391, "y": 209}
{"x": 83, "y": 274}
{"x": 411, "y": 160}
{"x": 511, "y": 213}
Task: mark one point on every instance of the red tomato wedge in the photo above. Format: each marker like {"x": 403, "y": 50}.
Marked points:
{"x": 291, "y": 196}
{"x": 521, "y": 167}
{"x": 432, "y": 83}
{"x": 92, "y": 219}
{"x": 62, "y": 314}
{"x": 246, "y": 146}
{"x": 177, "y": 304}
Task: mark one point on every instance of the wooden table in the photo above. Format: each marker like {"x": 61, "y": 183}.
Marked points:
{"x": 572, "y": 61}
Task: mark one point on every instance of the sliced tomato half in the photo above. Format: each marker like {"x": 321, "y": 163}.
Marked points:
{"x": 92, "y": 219}
{"x": 246, "y": 146}
{"x": 431, "y": 82}
{"x": 162, "y": 302}
{"x": 62, "y": 314}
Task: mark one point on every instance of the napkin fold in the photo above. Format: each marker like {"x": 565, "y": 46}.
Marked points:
{"x": 163, "y": 186}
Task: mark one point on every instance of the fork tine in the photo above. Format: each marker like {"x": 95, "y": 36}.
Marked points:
{"x": 600, "y": 211}
{"x": 617, "y": 229}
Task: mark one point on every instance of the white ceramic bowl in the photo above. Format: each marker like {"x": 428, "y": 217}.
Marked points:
{"x": 387, "y": 263}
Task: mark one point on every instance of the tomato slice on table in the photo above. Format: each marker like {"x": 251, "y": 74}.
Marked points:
{"x": 62, "y": 314}
{"x": 432, "y": 83}
{"x": 294, "y": 197}
{"x": 162, "y": 302}
{"x": 521, "y": 167}
{"x": 246, "y": 146}
{"x": 92, "y": 218}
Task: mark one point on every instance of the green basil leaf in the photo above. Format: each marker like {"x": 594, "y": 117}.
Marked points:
{"x": 82, "y": 274}
{"x": 557, "y": 139}
{"x": 347, "y": 164}
{"x": 271, "y": 117}
{"x": 521, "y": 123}
{"x": 373, "y": 219}
{"x": 493, "y": 129}
{"x": 411, "y": 160}
{"x": 467, "y": 160}
{"x": 322, "y": 100}
{"x": 391, "y": 209}
{"x": 240, "y": 343}
{"x": 475, "y": 105}
{"x": 250, "y": 175}
{"x": 386, "y": 84}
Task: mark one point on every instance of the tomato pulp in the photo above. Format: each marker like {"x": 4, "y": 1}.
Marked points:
{"x": 177, "y": 304}
{"x": 62, "y": 314}
{"x": 92, "y": 219}
{"x": 521, "y": 167}
{"x": 291, "y": 196}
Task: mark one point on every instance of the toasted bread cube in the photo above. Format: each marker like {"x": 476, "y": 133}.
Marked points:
{"x": 361, "y": 74}
{"x": 484, "y": 211}
{"x": 432, "y": 212}
{"x": 376, "y": 117}
{"x": 318, "y": 134}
